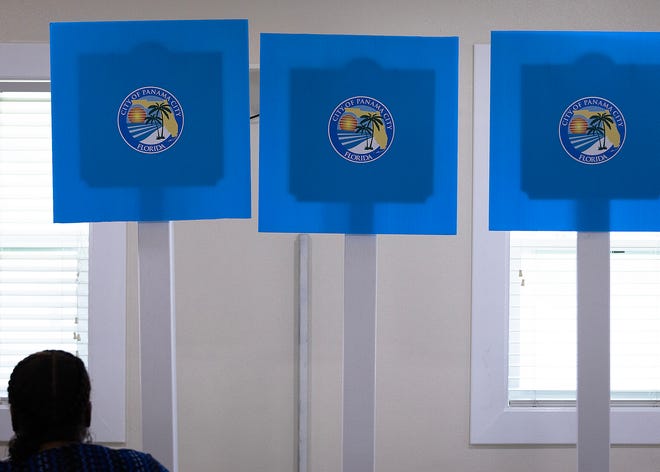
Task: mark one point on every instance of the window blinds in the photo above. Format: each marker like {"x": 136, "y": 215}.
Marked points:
{"x": 43, "y": 266}
{"x": 542, "y": 318}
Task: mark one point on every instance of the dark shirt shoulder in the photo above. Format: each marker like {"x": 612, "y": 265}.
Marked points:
{"x": 86, "y": 457}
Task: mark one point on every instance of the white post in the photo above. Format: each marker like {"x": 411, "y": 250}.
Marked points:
{"x": 359, "y": 387}
{"x": 303, "y": 352}
{"x": 593, "y": 345}
{"x": 157, "y": 343}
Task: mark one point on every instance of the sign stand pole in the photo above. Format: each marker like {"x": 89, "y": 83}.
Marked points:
{"x": 359, "y": 381}
{"x": 303, "y": 352}
{"x": 593, "y": 352}
{"x": 157, "y": 343}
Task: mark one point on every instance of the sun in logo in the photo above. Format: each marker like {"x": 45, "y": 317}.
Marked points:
{"x": 592, "y": 130}
{"x": 137, "y": 114}
{"x": 150, "y": 120}
{"x": 578, "y": 125}
{"x": 348, "y": 122}
{"x": 361, "y": 129}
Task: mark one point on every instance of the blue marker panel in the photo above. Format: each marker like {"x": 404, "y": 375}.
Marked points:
{"x": 150, "y": 120}
{"x": 573, "y": 138}
{"x": 358, "y": 134}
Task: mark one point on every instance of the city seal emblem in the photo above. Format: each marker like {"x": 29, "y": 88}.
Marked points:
{"x": 592, "y": 130}
{"x": 361, "y": 129}
{"x": 150, "y": 120}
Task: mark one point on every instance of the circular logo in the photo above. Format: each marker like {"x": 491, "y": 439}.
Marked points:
{"x": 361, "y": 129}
{"x": 592, "y": 130}
{"x": 150, "y": 120}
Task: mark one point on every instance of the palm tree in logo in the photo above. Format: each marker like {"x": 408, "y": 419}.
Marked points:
{"x": 598, "y": 131}
{"x": 153, "y": 119}
{"x": 160, "y": 110}
{"x": 365, "y": 131}
{"x": 600, "y": 120}
{"x": 371, "y": 120}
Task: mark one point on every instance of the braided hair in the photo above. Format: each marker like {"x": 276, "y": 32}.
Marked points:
{"x": 49, "y": 401}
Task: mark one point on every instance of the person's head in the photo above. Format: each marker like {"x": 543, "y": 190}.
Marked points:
{"x": 49, "y": 402}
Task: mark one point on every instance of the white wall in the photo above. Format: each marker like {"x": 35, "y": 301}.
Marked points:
{"x": 235, "y": 287}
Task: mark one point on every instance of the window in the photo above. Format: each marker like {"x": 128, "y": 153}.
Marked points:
{"x": 533, "y": 414}
{"x": 542, "y": 318}
{"x": 53, "y": 275}
{"x": 43, "y": 266}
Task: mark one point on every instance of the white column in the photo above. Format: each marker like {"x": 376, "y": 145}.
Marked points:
{"x": 359, "y": 382}
{"x": 593, "y": 345}
{"x": 303, "y": 352}
{"x": 157, "y": 343}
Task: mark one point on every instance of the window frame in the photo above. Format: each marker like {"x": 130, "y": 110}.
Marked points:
{"x": 492, "y": 420}
{"x": 25, "y": 67}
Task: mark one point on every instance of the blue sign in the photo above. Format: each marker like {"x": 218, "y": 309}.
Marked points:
{"x": 573, "y": 131}
{"x": 358, "y": 135}
{"x": 150, "y": 120}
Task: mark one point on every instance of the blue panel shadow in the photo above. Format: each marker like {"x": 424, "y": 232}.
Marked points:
{"x": 404, "y": 173}
{"x": 113, "y": 163}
